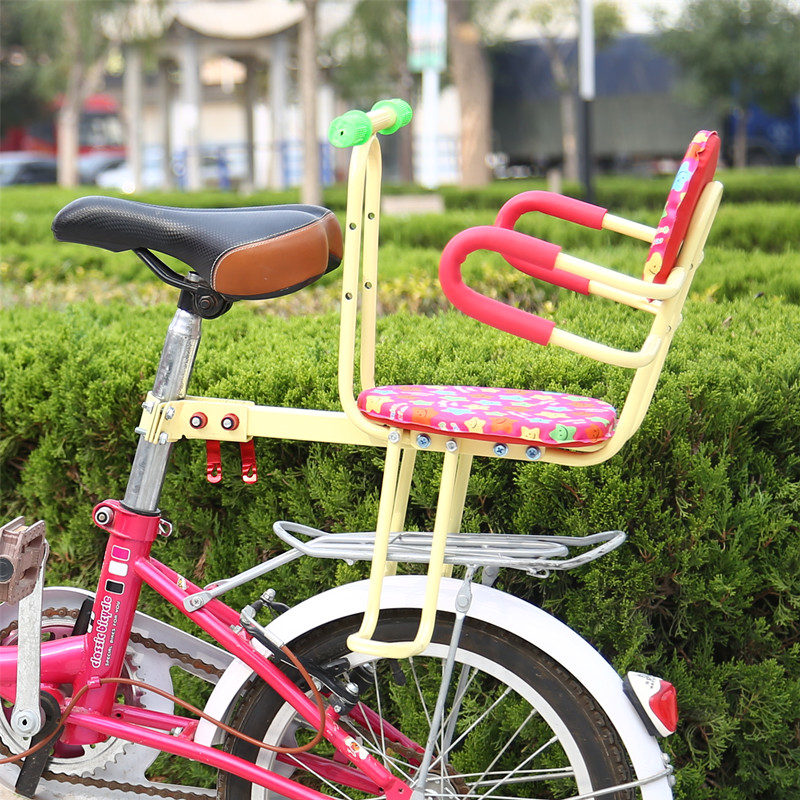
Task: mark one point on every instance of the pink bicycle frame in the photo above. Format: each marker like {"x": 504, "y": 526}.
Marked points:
{"x": 86, "y": 660}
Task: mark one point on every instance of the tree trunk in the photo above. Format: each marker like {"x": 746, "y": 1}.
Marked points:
{"x": 569, "y": 121}
{"x": 311, "y": 190}
{"x": 470, "y": 70}
{"x": 569, "y": 136}
{"x": 68, "y": 120}
{"x": 84, "y": 78}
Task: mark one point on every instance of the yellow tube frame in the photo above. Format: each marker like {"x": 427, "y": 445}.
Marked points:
{"x": 168, "y": 422}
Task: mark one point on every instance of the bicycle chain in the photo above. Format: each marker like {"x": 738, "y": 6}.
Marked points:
{"x": 158, "y": 647}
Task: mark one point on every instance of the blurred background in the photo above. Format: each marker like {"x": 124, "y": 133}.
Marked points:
{"x": 136, "y": 95}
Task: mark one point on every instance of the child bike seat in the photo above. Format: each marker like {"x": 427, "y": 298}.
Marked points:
{"x": 520, "y": 424}
{"x": 564, "y": 428}
{"x": 241, "y": 253}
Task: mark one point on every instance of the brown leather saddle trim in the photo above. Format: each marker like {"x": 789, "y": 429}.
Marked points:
{"x": 251, "y": 252}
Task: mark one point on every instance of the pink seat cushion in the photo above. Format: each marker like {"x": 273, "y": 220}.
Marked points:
{"x": 696, "y": 170}
{"x": 511, "y": 416}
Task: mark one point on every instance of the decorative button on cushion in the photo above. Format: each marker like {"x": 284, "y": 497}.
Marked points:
{"x": 552, "y": 419}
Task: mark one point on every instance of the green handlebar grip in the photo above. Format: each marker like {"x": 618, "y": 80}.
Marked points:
{"x": 352, "y": 128}
{"x": 402, "y": 112}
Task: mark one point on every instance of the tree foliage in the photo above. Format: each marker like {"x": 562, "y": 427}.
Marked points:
{"x": 68, "y": 41}
{"x": 557, "y": 23}
{"x": 738, "y": 53}
{"x": 29, "y": 65}
{"x": 369, "y": 53}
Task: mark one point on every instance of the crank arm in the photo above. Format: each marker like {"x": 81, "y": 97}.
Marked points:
{"x": 26, "y": 717}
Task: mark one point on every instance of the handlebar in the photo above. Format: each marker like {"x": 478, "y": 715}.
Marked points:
{"x": 355, "y": 127}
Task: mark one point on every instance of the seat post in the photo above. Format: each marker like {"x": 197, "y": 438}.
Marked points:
{"x": 172, "y": 379}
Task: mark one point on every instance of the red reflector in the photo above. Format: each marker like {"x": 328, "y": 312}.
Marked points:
{"x": 664, "y": 704}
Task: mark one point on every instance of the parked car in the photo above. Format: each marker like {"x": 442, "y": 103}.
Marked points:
{"x": 218, "y": 168}
{"x": 22, "y": 167}
{"x": 120, "y": 176}
{"x": 90, "y": 165}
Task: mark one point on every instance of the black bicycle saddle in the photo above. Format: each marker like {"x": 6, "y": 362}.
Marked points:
{"x": 252, "y": 252}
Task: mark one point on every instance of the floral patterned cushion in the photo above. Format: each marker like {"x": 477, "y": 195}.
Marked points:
{"x": 696, "y": 170}
{"x": 551, "y": 419}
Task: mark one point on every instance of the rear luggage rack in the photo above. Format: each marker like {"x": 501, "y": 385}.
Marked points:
{"x": 537, "y": 555}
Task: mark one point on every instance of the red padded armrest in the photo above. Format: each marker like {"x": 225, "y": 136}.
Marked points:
{"x": 528, "y": 254}
{"x": 555, "y": 205}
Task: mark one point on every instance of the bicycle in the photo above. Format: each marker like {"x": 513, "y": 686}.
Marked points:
{"x": 401, "y": 686}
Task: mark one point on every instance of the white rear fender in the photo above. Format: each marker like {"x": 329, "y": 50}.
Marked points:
{"x": 488, "y": 605}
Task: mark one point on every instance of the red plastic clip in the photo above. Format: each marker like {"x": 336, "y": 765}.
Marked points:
{"x": 249, "y": 468}
{"x": 213, "y": 461}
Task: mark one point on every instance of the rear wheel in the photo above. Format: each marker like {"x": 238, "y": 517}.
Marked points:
{"x": 516, "y": 724}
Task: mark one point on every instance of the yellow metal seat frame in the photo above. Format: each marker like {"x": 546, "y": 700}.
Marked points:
{"x": 162, "y": 422}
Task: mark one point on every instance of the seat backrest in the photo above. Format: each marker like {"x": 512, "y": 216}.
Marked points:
{"x": 696, "y": 170}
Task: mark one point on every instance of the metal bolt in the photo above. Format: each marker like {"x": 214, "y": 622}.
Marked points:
{"x": 500, "y": 449}
{"x": 352, "y": 688}
{"x": 198, "y": 420}
{"x": 103, "y": 516}
{"x": 394, "y": 437}
{"x": 423, "y": 441}
{"x": 24, "y": 721}
{"x": 163, "y": 438}
{"x": 148, "y": 406}
{"x": 230, "y": 422}
{"x": 169, "y": 413}
{"x": 533, "y": 453}
{"x": 451, "y": 445}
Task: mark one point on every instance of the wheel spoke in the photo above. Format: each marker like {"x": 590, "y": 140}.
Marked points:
{"x": 507, "y": 731}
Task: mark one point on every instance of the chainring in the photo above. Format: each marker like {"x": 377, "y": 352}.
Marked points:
{"x": 115, "y": 759}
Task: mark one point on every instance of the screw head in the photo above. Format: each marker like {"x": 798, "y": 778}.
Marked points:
{"x": 533, "y": 453}
{"x": 451, "y": 445}
{"x": 500, "y": 449}
{"x": 103, "y": 516}
{"x": 198, "y": 420}
{"x": 423, "y": 440}
{"x": 394, "y": 437}
{"x": 230, "y": 422}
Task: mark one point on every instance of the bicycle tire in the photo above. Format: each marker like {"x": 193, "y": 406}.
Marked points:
{"x": 583, "y": 751}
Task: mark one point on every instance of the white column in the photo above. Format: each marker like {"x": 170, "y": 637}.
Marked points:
{"x": 429, "y": 139}
{"x": 167, "y": 101}
{"x": 188, "y": 116}
{"x": 134, "y": 109}
{"x": 249, "y": 123}
{"x": 278, "y": 99}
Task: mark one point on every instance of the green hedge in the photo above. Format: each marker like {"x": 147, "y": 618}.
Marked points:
{"x": 35, "y": 269}
{"x": 705, "y": 592}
